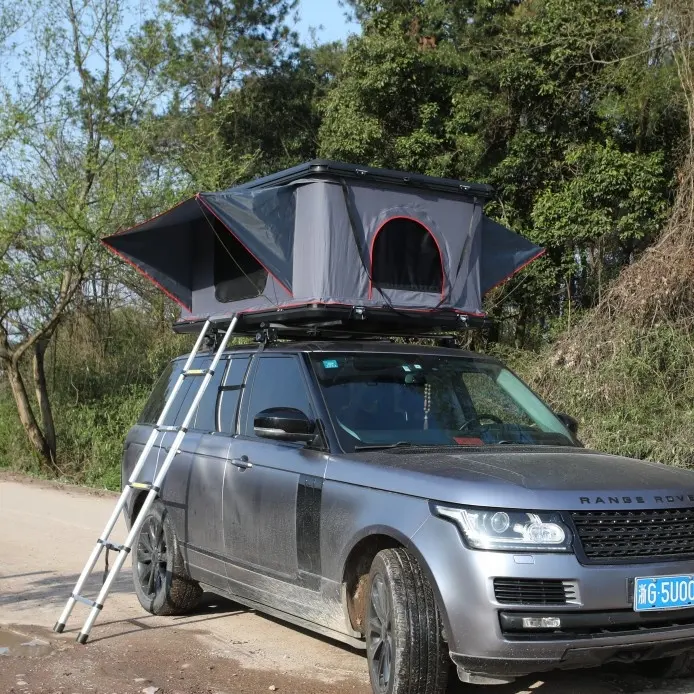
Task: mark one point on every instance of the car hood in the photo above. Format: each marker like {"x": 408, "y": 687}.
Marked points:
{"x": 535, "y": 477}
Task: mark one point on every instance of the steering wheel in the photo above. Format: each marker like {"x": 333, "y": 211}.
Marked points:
{"x": 478, "y": 420}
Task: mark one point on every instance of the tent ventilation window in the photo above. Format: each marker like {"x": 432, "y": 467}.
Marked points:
{"x": 405, "y": 255}
{"x": 237, "y": 274}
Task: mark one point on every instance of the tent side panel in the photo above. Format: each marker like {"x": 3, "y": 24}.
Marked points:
{"x": 327, "y": 266}
{"x": 503, "y": 254}
{"x": 161, "y": 254}
{"x": 454, "y": 223}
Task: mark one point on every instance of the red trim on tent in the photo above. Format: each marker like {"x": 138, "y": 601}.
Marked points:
{"x": 517, "y": 270}
{"x": 282, "y": 284}
{"x": 416, "y": 221}
{"x": 147, "y": 275}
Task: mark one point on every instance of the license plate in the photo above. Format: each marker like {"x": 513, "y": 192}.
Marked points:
{"x": 663, "y": 593}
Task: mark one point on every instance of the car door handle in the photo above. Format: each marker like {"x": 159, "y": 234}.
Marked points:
{"x": 242, "y": 463}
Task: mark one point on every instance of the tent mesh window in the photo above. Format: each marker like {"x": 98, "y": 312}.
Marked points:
{"x": 237, "y": 274}
{"x": 405, "y": 256}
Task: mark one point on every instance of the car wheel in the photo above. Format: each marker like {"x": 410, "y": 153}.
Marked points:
{"x": 162, "y": 583}
{"x": 676, "y": 667}
{"x": 404, "y": 644}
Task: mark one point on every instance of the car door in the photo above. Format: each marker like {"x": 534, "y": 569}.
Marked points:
{"x": 204, "y": 455}
{"x": 272, "y": 489}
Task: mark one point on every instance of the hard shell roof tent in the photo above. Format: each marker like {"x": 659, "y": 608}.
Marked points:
{"x": 329, "y": 243}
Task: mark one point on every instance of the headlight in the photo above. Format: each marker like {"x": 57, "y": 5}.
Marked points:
{"x": 509, "y": 530}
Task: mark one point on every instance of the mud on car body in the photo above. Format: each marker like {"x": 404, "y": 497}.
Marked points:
{"x": 421, "y": 503}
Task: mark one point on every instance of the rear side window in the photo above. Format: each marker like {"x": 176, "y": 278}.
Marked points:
{"x": 278, "y": 382}
{"x": 204, "y": 418}
{"x": 230, "y": 394}
{"x": 160, "y": 393}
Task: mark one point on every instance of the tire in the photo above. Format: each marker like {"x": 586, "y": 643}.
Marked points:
{"x": 169, "y": 589}
{"x": 405, "y": 649}
{"x": 675, "y": 667}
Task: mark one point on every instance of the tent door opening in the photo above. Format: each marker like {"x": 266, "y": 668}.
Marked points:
{"x": 406, "y": 256}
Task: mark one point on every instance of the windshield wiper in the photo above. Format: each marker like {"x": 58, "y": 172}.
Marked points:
{"x": 382, "y": 446}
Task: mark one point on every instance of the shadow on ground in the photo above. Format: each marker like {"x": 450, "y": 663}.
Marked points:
{"x": 51, "y": 587}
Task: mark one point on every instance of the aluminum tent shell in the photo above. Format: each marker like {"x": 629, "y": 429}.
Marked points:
{"x": 331, "y": 235}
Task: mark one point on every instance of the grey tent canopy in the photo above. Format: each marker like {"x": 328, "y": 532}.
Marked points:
{"x": 327, "y": 242}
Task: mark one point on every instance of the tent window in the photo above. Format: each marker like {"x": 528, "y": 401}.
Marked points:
{"x": 405, "y": 255}
{"x": 237, "y": 274}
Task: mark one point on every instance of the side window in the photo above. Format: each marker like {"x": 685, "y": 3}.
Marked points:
{"x": 278, "y": 382}
{"x": 160, "y": 393}
{"x": 204, "y": 419}
{"x": 230, "y": 393}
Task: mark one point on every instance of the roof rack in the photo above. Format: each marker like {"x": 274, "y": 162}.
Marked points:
{"x": 347, "y": 322}
{"x": 355, "y": 323}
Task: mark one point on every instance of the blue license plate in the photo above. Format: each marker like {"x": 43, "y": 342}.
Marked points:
{"x": 663, "y": 593}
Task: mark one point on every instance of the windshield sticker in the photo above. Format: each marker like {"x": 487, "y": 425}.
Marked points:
{"x": 405, "y": 367}
{"x": 330, "y": 363}
{"x": 468, "y": 441}
{"x": 417, "y": 366}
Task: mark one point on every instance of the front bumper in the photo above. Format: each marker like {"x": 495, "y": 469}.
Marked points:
{"x": 486, "y": 637}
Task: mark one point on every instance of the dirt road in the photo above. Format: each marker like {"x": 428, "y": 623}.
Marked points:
{"x": 46, "y": 533}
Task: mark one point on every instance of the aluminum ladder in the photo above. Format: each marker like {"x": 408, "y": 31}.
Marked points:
{"x": 134, "y": 485}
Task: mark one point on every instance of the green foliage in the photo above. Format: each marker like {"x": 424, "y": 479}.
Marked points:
{"x": 604, "y": 211}
{"x": 634, "y": 401}
{"x": 101, "y": 370}
{"x": 572, "y": 110}
{"x": 201, "y": 49}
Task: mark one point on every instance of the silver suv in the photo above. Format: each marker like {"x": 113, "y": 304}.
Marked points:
{"x": 421, "y": 503}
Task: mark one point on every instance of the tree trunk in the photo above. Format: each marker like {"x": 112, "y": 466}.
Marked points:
{"x": 26, "y": 415}
{"x": 47, "y": 422}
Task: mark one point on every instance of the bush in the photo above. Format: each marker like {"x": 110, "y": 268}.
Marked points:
{"x": 100, "y": 372}
{"x": 633, "y": 393}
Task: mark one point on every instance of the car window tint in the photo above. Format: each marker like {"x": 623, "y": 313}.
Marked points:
{"x": 205, "y": 419}
{"x": 278, "y": 382}
{"x": 160, "y": 393}
{"x": 231, "y": 393}
{"x": 184, "y": 398}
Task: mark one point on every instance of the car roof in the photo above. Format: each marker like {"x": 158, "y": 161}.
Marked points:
{"x": 355, "y": 346}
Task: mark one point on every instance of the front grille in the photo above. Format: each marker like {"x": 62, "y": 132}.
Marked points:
{"x": 643, "y": 535}
{"x": 531, "y": 591}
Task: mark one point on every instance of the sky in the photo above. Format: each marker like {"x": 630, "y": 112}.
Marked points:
{"x": 326, "y": 14}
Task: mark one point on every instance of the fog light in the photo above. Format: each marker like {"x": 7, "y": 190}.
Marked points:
{"x": 541, "y": 622}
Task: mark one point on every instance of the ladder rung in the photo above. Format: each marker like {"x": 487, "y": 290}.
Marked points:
{"x": 143, "y": 485}
{"x": 152, "y": 488}
{"x": 87, "y": 601}
{"x": 167, "y": 428}
{"x": 114, "y": 547}
{"x": 198, "y": 372}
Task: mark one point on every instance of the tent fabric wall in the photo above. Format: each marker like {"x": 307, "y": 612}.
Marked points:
{"x": 310, "y": 240}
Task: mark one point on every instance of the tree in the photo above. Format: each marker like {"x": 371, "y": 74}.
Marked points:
{"x": 71, "y": 170}
{"x": 202, "y": 49}
{"x": 527, "y": 96}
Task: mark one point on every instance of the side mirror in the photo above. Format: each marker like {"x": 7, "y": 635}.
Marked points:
{"x": 569, "y": 422}
{"x": 284, "y": 424}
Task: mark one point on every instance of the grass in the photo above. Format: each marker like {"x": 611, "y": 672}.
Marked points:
{"x": 633, "y": 394}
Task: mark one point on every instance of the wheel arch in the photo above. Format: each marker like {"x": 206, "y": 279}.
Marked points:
{"x": 356, "y": 563}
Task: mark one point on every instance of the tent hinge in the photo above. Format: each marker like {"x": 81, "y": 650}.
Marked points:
{"x": 266, "y": 336}
{"x": 359, "y": 312}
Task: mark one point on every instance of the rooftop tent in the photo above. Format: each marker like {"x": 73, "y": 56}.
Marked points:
{"x": 327, "y": 241}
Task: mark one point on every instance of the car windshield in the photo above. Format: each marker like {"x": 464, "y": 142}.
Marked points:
{"x": 430, "y": 400}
